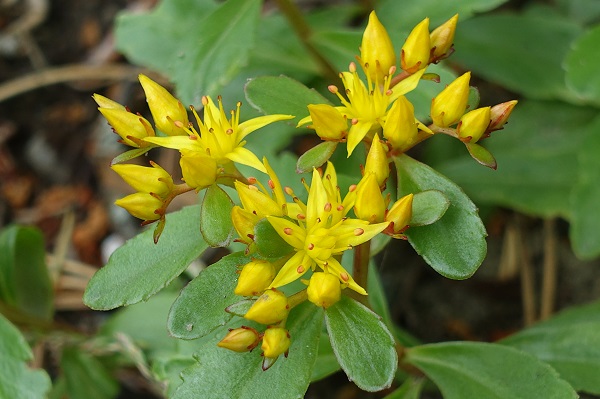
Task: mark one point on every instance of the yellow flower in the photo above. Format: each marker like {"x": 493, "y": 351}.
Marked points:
{"x": 377, "y": 54}
{"x": 131, "y": 127}
{"x": 399, "y": 216}
{"x": 369, "y": 204}
{"x": 322, "y": 232}
{"x": 270, "y": 308}
{"x": 255, "y": 278}
{"x": 377, "y": 161}
{"x": 198, "y": 169}
{"x": 328, "y": 123}
{"x": 219, "y": 137}
{"x": 168, "y": 113}
{"x": 442, "y": 38}
{"x": 473, "y": 124}
{"x": 448, "y": 106}
{"x": 276, "y": 342}
{"x": 324, "y": 289}
{"x": 416, "y": 50}
{"x": 242, "y": 339}
{"x": 153, "y": 180}
{"x": 244, "y": 222}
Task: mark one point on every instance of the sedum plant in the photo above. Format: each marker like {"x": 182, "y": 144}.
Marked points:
{"x": 298, "y": 297}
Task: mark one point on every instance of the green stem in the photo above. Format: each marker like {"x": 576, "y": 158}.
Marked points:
{"x": 297, "y": 298}
{"x": 298, "y": 22}
{"x": 444, "y": 130}
{"x": 360, "y": 270}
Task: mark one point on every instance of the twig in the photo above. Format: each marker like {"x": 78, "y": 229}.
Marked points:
{"x": 67, "y": 73}
{"x": 548, "y": 296}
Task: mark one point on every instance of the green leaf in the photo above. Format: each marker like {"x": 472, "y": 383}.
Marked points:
{"x": 584, "y": 231}
{"x": 281, "y": 95}
{"x": 316, "y": 156}
{"x": 585, "y": 11}
{"x": 127, "y": 155}
{"x": 215, "y": 217}
{"x": 479, "y": 370}
{"x": 454, "y": 245}
{"x": 339, "y": 46}
{"x": 482, "y": 155}
{"x": 16, "y": 380}
{"x": 362, "y": 344}
{"x": 268, "y": 243}
{"x": 24, "y": 279}
{"x": 200, "y": 46}
{"x": 428, "y": 207}
{"x": 512, "y": 50}
{"x": 581, "y": 65}
{"x": 326, "y": 363}
{"x": 535, "y": 154}
{"x": 240, "y": 308}
{"x": 86, "y": 377}
{"x": 201, "y": 305}
{"x": 239, "y": 375}
{"x": 569, "y": 342}
{"x": 410, "y": 389}
{"x": 140, "y": 268}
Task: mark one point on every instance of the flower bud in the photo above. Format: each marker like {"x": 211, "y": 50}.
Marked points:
{"x": 451, "y": 103}
{"x": 198, "y": 169}
{"x": 417, "y": 48}
{"x": 324, "y": 289}
{"x": 270, "y": 308}
{"x": 127, "y": 125}
{"x": 377, "y": 52}
{"x": 473, "y": 124}
{"x": 377, "y": 161}
{"x": 105, "y": 102}
{"x": 141, "y": 205}
{"x": 255, "y": 277}
{"x": 499, "y": 114}
{"x": 242, "y": 339}
{"x": 400, "y": 214}
{"x": 165, "y": 108}
{"x": 327, "y": 121}
{"x": 244, "y": 222}
{"x": 256, "y": 201}
{"x": 442, "y": 38}
{"x": 400, "y": 128}
{"x": 154, "y": 180}
{"x": 369, "y": 204}
{"x": 276, "y": 341}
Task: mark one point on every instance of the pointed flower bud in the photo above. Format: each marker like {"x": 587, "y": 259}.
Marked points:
{"x": 473, "y": 124}
{"x": 276, "y": 341}
{"x": 256, "y": 201}
{"x": 416, "y": 50}
{"x": 242, "y": 339}
{"x": 255, "y": 277}
{"x": 128, "y": 125}
{"x": 244, "y": 222}
{"x": 270, "y": 308}
{"x": 324, "y": 289}
{"x": 377, "y": 161}
{"x": 154, "y": 180}
{"x": 369, "y": 204}
{"x": 499, "y": 114}
{"x": 448, "y": 106}
{"x": 165, "y": 108}
{"x": 400, "y": 128}
{"x": 400, "y": 214}
{"x": 198, "y": 169}
{"x": 377, "y": 52}
{"x": 141, "y": 205}
{"x": 442, "y": 38}
{"x": 327, "y": 121}
{"x": 105, "y": 102}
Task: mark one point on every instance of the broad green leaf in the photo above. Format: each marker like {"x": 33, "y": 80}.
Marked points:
{"x": 536, "y": 156}
{"x": 281, "y": 95}
{"x": 167, "y": 369}
{"x": 428, "y": 207}
{"x": 201, "y": 305}
{"x": 480, "y": 370}
{"x": 16, "y": 380}
{"x": 569, "y": 342}
{"x": 362, "y": 344}
{"x": 512, "y": 50}
{"x": 268, "y": 243}
{"x": 326, "y": 363}
{"x": 239, "y": 375}
{"x": 482, "y": 155}
{"x": 316, "y": 156}
{"x": 581, "y": 65}
{"x": 200, "y": 46}
{"x": 454, "y": 245}
{"x": 338, "y": 46}
{"x": 86, "y": 377}
{"x": 585, "y": 197}
{"x": 585, "y": 11}
{"x": 24, "y": 279}
{"x": 140, "y": 268}
{"x": 215, "y": 217}
{"x": 410, "y": 389}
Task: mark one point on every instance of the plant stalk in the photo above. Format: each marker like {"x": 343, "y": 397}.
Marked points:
{"x": 360, "y": 270}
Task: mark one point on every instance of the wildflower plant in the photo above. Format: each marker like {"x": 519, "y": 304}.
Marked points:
{"x": 299, "y": 284}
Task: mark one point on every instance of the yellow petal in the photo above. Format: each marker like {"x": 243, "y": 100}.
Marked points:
{"x": 356, "y": 134}
{"x": 334, "y": 267}
{"x": 247, "y": 127}
{"x": 406, "y": 85}
{"x": 176, "y": 143}
{"x": 245, "y": 157}
{"x": 293, "y": 269}
{"x": 289, "y": 231}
